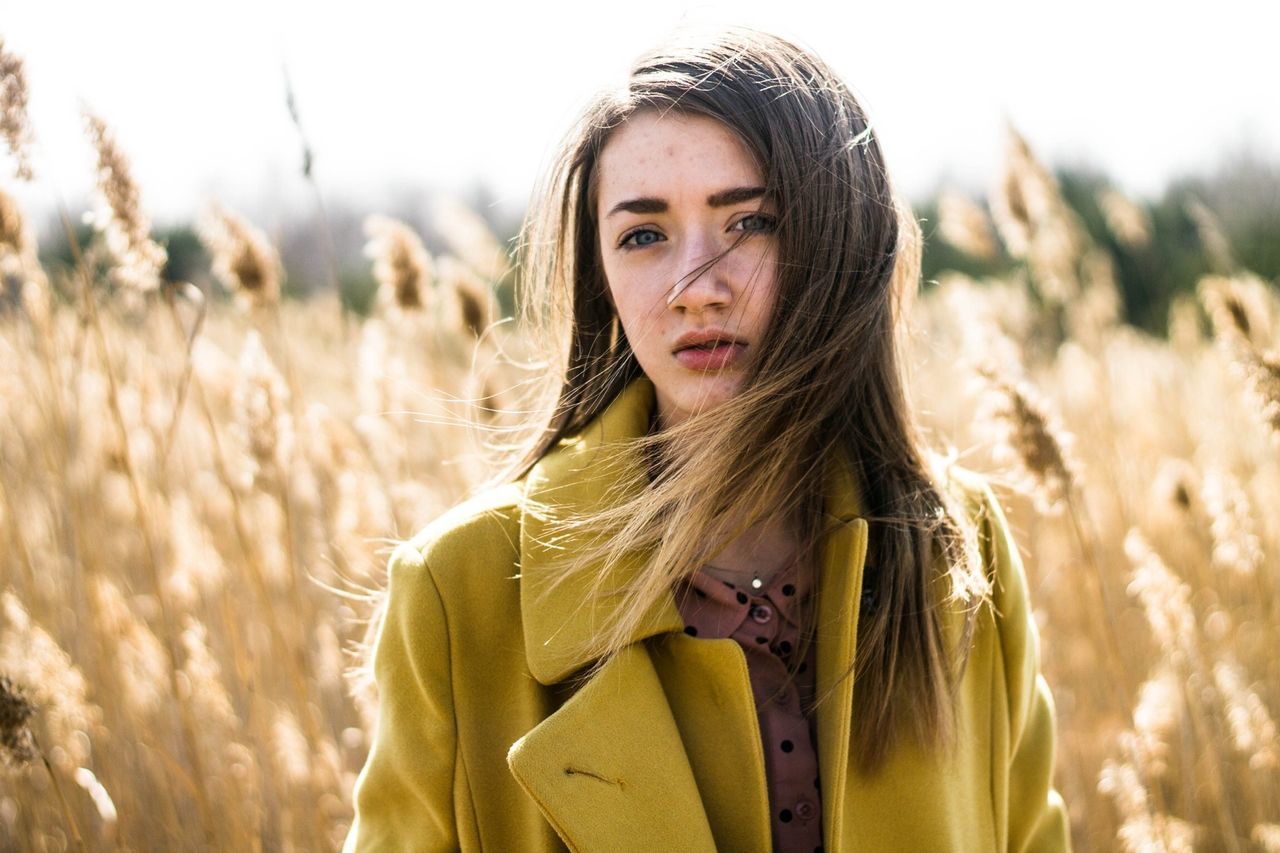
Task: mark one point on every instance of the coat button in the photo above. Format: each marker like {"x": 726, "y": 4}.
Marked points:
{"x": 762, "y": 613}
{"x": 805, "y": 809}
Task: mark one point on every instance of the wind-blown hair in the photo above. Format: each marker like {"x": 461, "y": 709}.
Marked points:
{"x": 828, "y": 374}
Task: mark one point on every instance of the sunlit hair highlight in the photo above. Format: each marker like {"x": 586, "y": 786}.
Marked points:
{"x": 827, "y": 377}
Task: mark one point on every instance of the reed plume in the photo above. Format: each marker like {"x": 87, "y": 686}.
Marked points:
{"x": 1027, "y": 434}
{"x": 470, "y": 238}
{"x": 29, "y": 654}
{"x": 1125, "y": 218}
{"x": 15, "y": 125}
{"x": 19, "y": 746}
{"x": 263, "y": 420}
{"x": 1018, "y": 199}
{"x": 1142, "y": 829}
{"x": 16, "y": 711}
{"x": 198, "y": 571}
{"x": 1236, "y": 306}
{"x": 1155, "y": 717}
{"x": 1035, "y": 223}
{"x": 1238, "y": 310}
{"x": 1252, "y": 728}
{"x": 1212, "y": 237}
{"x": 140, "y": 658}
{"x": 17, "y": 244}
{"x": 471, "y": 294}
{"x": 1236, "y": 546}
{"x": 289, "y": 748}
{"x": 19, "y": 263}
{"x": 401, "y": 265}
{"x": 1177, "y": 485}
{"x": 137, "y": 260}
{"x": 965, "y": 225}
{"x": 1165, "y": 600}
{"x": 243, "y": 258}
{"x": 1261, "y": 374}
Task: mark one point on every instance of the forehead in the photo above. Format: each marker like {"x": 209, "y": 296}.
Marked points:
{"x": 673, "y": 155}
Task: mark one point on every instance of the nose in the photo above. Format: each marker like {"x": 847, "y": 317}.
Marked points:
{"x": 705, "y": 281}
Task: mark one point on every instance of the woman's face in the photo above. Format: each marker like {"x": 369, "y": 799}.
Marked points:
{"x": 674, "y": 191}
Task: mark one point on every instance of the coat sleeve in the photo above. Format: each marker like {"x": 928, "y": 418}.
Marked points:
{"x": 1037, "y": 816}
{"x": 404, "y": 795}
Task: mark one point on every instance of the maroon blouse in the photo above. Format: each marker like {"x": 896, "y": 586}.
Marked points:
{"x": 766, "y": 623}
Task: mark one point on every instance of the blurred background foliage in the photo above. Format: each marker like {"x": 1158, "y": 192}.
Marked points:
{"x": 1243, "y": 193}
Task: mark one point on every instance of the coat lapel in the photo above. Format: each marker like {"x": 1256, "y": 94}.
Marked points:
{"x": 839, "y": 593}
{"x": 610, "y": 769}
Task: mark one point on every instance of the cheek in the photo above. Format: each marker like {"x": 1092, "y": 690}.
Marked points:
{"x": 628, "y": 310}
{"x": 756, "y": 274}
{"x": 632, "y": 294}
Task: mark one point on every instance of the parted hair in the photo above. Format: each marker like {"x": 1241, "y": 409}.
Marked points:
{"x": 829, "y": 374}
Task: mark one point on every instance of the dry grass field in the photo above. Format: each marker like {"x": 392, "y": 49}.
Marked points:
{"x": 196, "y": 502}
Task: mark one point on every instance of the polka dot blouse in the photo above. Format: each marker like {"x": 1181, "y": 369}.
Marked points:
{"x": 766, "y": 623}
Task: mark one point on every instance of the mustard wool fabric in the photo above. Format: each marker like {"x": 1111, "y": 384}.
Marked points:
{"x": 479, "y": 745}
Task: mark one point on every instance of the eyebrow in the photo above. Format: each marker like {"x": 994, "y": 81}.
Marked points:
{"x": 724, "y": 198}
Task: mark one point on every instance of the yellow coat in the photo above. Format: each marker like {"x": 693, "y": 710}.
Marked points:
{"x": 478, "y": 746}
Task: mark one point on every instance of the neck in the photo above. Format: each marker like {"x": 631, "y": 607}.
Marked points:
{"x": 759, "y": 552}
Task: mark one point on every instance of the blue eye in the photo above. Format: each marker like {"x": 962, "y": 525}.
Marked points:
{"x": 638, "y": 234}
{"x": 767, "y": 223}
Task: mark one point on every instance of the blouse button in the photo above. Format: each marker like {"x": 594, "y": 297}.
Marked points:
{"x": 762, "y": 613}
{"x": 804, "y": 809}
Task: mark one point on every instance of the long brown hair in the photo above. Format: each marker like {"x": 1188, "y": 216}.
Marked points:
{"x": 828, "y": 376}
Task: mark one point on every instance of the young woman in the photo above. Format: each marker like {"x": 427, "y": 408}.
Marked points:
{"x": 725, "y": 599}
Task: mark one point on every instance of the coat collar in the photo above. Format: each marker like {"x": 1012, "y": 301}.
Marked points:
{"x": 580, "y": 475}
{"x": 592, "y": 764}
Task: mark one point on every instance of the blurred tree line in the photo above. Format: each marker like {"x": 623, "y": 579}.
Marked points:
{"x": 1242, "y": 194}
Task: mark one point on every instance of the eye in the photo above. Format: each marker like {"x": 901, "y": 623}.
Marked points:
{"x": 642, "y": 236}
{"x": 763, "y": 222}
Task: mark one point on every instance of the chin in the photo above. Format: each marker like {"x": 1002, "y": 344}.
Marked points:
{"x": 690, "y": 395}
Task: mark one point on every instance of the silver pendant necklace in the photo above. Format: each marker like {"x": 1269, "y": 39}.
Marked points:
{"x": 756, "y": 581}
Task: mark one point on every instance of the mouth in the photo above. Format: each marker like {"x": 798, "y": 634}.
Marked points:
{"x": 706, "y": 339}
{"x": 712, "y": 355}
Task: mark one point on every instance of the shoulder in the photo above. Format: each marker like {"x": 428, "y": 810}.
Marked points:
{"x": 1011, "y": 612}
{"x": 993, "y": 546}
{"x": 474, "y": 542}
{"x": 972, "y": 494}
{"x": 969, "y": 488}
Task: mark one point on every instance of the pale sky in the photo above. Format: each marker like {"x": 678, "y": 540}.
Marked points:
{"x": 396, "y": 95}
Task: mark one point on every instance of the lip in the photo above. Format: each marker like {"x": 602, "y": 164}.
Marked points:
{"x": 707, "y": 335}
{"x": 728, "y": 350}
